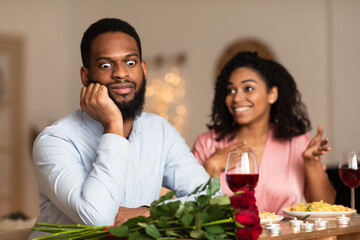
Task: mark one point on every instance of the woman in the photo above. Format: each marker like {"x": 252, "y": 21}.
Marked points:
{"x": 257, "y": 106}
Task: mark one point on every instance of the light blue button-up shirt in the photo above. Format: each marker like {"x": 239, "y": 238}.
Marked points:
{"x": 84, "y": 176}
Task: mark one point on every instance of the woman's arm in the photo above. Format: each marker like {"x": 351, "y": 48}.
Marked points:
{"x": 319, "y": 186}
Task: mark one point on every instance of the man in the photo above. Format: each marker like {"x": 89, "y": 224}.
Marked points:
{"x": 110, "y": 159}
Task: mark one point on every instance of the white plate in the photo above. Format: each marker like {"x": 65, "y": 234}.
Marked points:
{"x": 316, "y": 215}
{"x": 277, "y": 218}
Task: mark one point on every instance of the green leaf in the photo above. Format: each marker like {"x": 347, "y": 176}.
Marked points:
{"x": 173, "y": 207}
{"x": 190, "y": 206}
{"x": 212, "y": 236}
{"x": 180, "y": 212}
{"x": 133, "y": 222}
{"x": 167, "y": 196}
{"x": 196, "y": 234}
{"x": 214, "y": 187}
{"x": 220, "y": 200}
{"x": 152, "y": 231}
{"x": 163, "y": 224}
{"x": 205, "y": 216}
{"x": 134, "y": 236}
{"x": 160, "y": 210}
{"x": 202, "y": 200}
{"x": 187, "y": 219}
{"x": 216, "y": 229}
{"x": 119, "y": 231}
{"x": 172, "y": 233}
{"x": 143, "y": 236}
{"x": 195, "y": 191}
{"x": 207, "y": 184}
{"x": 215, "y": 212}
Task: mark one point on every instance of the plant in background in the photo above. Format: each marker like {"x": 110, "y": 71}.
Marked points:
{"x": 208, "y": 216}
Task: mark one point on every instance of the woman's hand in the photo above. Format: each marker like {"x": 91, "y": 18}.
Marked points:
{"x": 318, "y": 185}
{"x": 316, "y": 147}
{"x": 217, "y": 162}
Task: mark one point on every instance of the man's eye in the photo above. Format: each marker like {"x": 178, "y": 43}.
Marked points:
{"x": 130, "y": 63}
{"x": 106, "y": 65}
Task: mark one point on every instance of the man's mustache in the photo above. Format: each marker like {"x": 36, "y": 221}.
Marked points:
{"x": 116, "y": 82}
{"x": 109, "y": 85}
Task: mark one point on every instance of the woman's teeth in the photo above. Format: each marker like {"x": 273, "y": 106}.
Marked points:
{"x": 241, "y": 109}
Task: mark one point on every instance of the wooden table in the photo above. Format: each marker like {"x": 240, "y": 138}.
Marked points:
{"x": 333, "y": 232}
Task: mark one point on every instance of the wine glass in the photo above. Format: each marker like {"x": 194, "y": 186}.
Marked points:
{"x": 349, "y": 171}
{"x": 241, "y": 171}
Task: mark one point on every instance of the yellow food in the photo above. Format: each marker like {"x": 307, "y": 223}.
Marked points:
{"x": 266, "y": 215}
{"x": 318, "y": 207}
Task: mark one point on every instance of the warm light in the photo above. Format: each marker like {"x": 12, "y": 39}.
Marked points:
{"x": 180, "y": 92}
{"x": 150, "y": 91}
{"x": 177, "y": 81}
{"x": 178, "y": 120}
{"x": 164, "y": 97}
{"x": 157, "y": 83}
{"x": 175, "y": 70}
{"x": 181, "y": 110}
{"x": 168, "y": 97}
{"x": 162, "y": 108}
{"x": 170, "y": 77}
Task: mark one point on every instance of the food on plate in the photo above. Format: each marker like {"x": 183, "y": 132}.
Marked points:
{"x": 319, "y": 207}
{"x": 266, "y": 215}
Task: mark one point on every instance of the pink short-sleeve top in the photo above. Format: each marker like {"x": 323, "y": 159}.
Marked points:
{"x": 281, "y": 173}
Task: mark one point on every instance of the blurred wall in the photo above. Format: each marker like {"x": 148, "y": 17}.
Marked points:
{"x": 317, "y": 41}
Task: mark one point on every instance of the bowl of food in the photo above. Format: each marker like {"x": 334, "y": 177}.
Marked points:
{"x": 267, "y": 217}
{"x": 317, "y": 210}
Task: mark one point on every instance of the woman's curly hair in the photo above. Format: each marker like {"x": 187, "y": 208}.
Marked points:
{"x": 288, "y": 114}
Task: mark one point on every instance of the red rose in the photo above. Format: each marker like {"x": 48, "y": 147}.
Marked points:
{"x": 249, "y": 233}
{"x": 243, "y": 200}
{"x": 247, "y": 217}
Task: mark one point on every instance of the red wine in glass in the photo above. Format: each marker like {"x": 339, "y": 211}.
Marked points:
{"x": 350, "y": 177}
{"x": 242, "y": 171}
{"x": 237, "y": 182}
{"x": 349, "y": 171}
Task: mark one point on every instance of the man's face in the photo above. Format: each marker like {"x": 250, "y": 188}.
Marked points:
{"x": 115, "y": 63}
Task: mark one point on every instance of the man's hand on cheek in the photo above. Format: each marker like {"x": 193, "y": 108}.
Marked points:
{"x": 95, "y": 101}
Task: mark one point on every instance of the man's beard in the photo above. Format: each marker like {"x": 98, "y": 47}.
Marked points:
{"x": 133, "y": 108}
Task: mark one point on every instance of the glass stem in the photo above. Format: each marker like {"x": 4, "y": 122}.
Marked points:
{"x": 353, "y": 198}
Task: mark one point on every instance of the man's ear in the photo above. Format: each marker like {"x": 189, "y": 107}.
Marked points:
{"x": 84, "y": 74}
{"x": 144, "y": 67}
{"x": 273, "y": 95}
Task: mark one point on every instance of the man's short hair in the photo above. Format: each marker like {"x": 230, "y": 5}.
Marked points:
{"x": 103, "y": 26}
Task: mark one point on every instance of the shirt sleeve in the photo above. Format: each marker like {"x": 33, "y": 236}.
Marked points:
{"x": 88, "y": 196}
{"x": 182, "y": 171}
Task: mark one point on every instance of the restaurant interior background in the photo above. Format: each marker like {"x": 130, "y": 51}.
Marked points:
{"x": 317, "y": 41}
